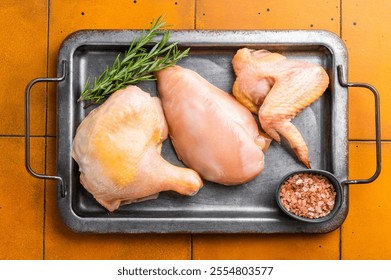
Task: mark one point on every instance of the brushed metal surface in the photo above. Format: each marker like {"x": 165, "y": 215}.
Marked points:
{"x": 248, "y": 208}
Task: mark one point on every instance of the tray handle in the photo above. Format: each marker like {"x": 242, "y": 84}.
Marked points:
{"x": 27, "y": 129}
{"x": 344, "y": 83}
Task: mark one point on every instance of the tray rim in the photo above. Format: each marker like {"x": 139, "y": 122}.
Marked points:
{"x": 202, "y": 37}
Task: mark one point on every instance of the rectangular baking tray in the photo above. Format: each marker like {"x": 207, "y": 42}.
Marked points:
{"x": 248, "y": 208}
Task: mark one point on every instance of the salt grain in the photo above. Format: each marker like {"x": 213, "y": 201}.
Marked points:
{"x": 308, "y": 195}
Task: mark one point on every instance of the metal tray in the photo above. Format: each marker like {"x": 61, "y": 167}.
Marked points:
{"x": 249, "y": 208}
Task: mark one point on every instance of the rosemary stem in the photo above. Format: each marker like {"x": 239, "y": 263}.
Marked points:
{"x": 143, "y": 57}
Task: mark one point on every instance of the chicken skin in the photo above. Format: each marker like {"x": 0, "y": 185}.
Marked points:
{"x": 117, "y": 147}
{"x": 211, "y": 132}
{"x": 278, "y": 89}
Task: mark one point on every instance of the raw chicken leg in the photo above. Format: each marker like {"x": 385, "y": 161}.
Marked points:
{"x": 211, "y": 132}
{"x": 117, "y": 147}
{"x": 278, "y": 89}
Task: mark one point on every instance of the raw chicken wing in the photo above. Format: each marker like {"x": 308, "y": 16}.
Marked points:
{"x": 278, "y": 89}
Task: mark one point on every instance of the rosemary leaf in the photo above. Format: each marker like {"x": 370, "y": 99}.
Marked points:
{"x": 143, "y": 57}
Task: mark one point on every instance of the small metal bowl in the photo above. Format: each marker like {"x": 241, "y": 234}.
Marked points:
{"x": 331, "y": 178}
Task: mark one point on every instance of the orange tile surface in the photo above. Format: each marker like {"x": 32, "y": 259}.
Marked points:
{"x": 269, "y": 14}
{"x": 264, "y": 247}
{"x": 22, "y": 58}
{"x": 366, "y": 231}
{"x": 21, "y": 200}
{"x": 31, "y": 226}
{"x": 366, "y": 32}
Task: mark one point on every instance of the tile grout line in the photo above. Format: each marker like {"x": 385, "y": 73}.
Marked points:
{"x": 191, "y": 247}
{"x": 340, "y": 35}
{"x": 194, "y": 27}
{"x": 195, "y": 15}
{"x": 46, "y": 132}
{"x": 340, "y": 19}
{"x": 385, "y": 141}
{"x": 23, "y": 136}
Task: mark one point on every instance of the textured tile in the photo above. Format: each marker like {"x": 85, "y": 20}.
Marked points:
{"x": 252, "y": 14}
{"x": 22, "y": 58}
{"x": 366, "y": 32}
{"x": 276, "y": 246}
{"x": 67, "y": 17}
{"x": 366, "y": 233}
{"x": 62, "y": 243}
{"x": 21, "y": 200}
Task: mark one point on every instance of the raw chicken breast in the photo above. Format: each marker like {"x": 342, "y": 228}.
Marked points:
{"x": 278, "y": 89}
{"x": 117, "y": 147}
{"x": 211, "y": 132}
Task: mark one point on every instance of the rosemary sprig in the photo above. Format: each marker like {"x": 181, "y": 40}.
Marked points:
{"x": 137, "y": 65}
